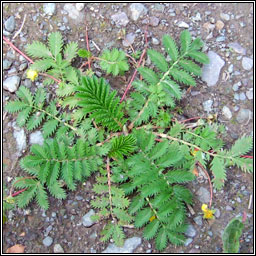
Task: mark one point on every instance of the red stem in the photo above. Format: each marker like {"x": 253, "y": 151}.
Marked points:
{"x": 16, "y": 49}
{"x": 87, "y": 44}
{"x": 18, "y": 192}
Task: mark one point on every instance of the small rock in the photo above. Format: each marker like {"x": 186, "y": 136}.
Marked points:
{"x": 182, "y": 24}
{"x": 21, "y": 142}
{"x": 226, "y": 112}
{"x": 197, "y": 17}
{"x": 48, "y": 230}
{"x": 210, "y": 233}
{"x": 188, "y": 241}
{"x": 73, "y": 13}
{"x": 12, "y": 71}
{"x": 120, "y": 19}
{"x": 148, "y": 251}
{"x": 58, "y": 249}
{"x": 208, "y": 105}
{"x": 225, "y": 16}
{"x": 242, "y": 96}
{"x": 203, "y": 195}
{"x": 54, "y": 214}
{"x": 137, "y": 10}
{"x": 249, "y": 94}
{"x": 155, "y": 41}
{"x": 87, "y": 222}
{"x": 6, "y": 64}
{"x": 129, "y": 246}
{"x": 231, "y": 68}
{"x": 28, "y": 83}
{"x": 79, "y": 6}
{"x": 220, "y": 38}
{"x": 198, "y": 220}
{"x": 159, "y": 7}
{"x": 23, "y": 66}
{"x": 36, "y": 138}
{"x": 229, "y": 208}
{"x": 236, "y": 86}
{"x": 191, "y": 232}
{"x": 212, "y": 70}
{"x": 10, "y": 24}
{"x": 247, "y": 63}
{"x": 237, "y": 48}
{"x": 208, "y": 26}
{"x": 238, "y": 199}
{"x": 11, "y": 84}
{"x": 49, "y": 8}
{"x": 217, "y": 213}
{"x": 129, "y": 39}
{"x": 79, "y": 198}
{"x": 153, "y": 21}
{"x": 194, "y": 251}
{"x": 47, "y": 241}
{"x": 236, "y": 96}
{"x": 244, "y": 115}
{"x": 219, "y": 25}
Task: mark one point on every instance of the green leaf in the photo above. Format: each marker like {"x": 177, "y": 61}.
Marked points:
{"x": 26, "y": 197}
{"x": 50, "y": 127}
{"x": 191, "y": 67}
{"x": 182, "y": 76}
{"x": 176, "y": 239}
{"x": 71, "y": 75}
{"x": 56, "y": 190}
{"x": 179, "y": 176}
{"x": 70, "y": 51}
{"x": 84, "y": 53}
{"x": 23, "y": 116}
{"x": 151, "y": 229}
{"x": 182, "y": 194}
{"x": 172, "y": 88}
{"x": 41, "y": 197}
{"x": 38, "y": 50}
{"x": 71, "y": 101}
{"x": 242, "y": 146}
{"x": 122, "y": 145}
{"x": 24, "y": 94}
{"x": 170, "y": 47}
{"x": 118, "y": 235}
{"x": 41, "y": 65}
{"x": 136, "y": 204}
{"x": 40, "y": 97}
{"x": 107, "y": 232}
{"x": 143, "y": 217}
{"x": 199, "y": 57}
{"x": 158, "y": 59}
{"x": 67, "y": 173}
{"x": 219, "y": 172}
{"x": 185, "y": 40}
{"x": 161, "y": 240}
{"x": 197, "y": 44}
{"x": 55, "y": 42}
{"x": 149, "y": 75}
{"x": 35, "y": 120}
{"x": 246, "y": 164}
{"x": 15, "y": 106}
{"x": 120, "y": 202}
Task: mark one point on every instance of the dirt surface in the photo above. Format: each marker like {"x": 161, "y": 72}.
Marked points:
{"x": 65, "y": 217}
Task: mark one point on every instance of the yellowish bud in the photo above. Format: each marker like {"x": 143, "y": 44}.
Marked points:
{"x": 32, "y": 74}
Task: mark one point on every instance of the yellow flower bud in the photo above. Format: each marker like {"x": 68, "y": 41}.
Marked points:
{"x": 204, "y": 207}
{"x": 32, "y": 74}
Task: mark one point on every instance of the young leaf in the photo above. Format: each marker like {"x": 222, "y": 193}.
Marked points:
{"x": 38, "y": 50}
{"x": 70, "y": 51}
{"x": 170, "y": 47}
{"x": 55, "y": 42}
{"x": 161, "y": 240}
{"x": 151, "y": 229}
{"x": 158, "y": 59}
{"x": 185, "y": 40}
{"x": 149, "y": 75}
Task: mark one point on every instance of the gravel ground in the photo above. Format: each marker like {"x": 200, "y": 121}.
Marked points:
{"x": 226, "y": 90}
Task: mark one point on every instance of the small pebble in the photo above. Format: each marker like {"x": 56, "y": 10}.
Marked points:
{"x": 188, "y": 241}
{"x": 10, "y": 24}
{"x": 225, "y": 16}
{"x": 47, "y": 241}
{"x": 182, "y": 24}
{"x": 155, "y": 41}
{"x": 79, "y": 6}
{"x": 6, "y": 64}
{"x": 247, "y": 63}
{"x": 249, "y": 94}
{"x": 229, "y": 208}
{"x": 58, "y": 249}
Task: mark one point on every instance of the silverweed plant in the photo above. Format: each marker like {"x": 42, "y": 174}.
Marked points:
{"x": 142, "y": 158}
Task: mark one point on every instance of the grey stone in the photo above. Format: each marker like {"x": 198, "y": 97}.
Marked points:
{"x": 49, "y": 8}
{"x": 220, "y": 38}
{"x": 249, "y": 94}
{"x": 236, "y": 96}
{"x": 47, "y": 241}
{"x": 23, "y": 66}
{"x": 182, "y": 24}
{"x": 244, "y": 115}
{"x": 225, "y": 16}
{"x": 93, "y": 250}
{"x": 137, "y": 10}
{"x": 203, "y": 195}
{"x": 231, "y": 68}
{"x": 129, "y": 39}
{"x": 12, "y": 83}
{"x": 87, "y": 222}
{"x": 191, "y": 232}
{"x": 237, "y": 48}
{"x": 54, "y": 214}
{"x": 6, "y": 64}
{"x": 188, "y": 241}
{"x": 238, "y": 199}
{"x": 58, "y": 249}
{"x": 197, "y": 17}
{"x": 129, "y": 246}
{"x": 211, "y": 71}
{"x": 210, "y": 233}
{"x": 229, "y": 208}
{"x": 159, "y": 7}
{"x": 155, "y": 41}
{"x": 217, "y": 213}
{"x": 198, "y": 220}
{"x": 226, "y": 112}
{"x": 12, "y": 71}
{"x": 10, "y": 24}
{"x": 236, "y": 86}
{"x": 153, "y": 21}
{"x": 79, "y": 198}
{"x": 242, "y": 96}
{"x": 120, "y": 19}
{"x": 28, "y": 83}
{"x": 79, "y": 6}
{"x": 48, "y": 230}
{"x": 73, "y": 13}
{"x": 247, "y": 63}
{"x": 36, "y": 138}
{"x": 208, "y": 105}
